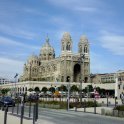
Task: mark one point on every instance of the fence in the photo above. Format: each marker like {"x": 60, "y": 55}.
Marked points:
{"x": 29, "y": 110}
{"x": 22, "y": 111}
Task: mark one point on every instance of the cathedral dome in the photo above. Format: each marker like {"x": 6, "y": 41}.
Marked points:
{"x": 47, "y": 51}
{"x": 47, "y": 48}
{"x": 66, "y": 37}
{"x": 32, "y": 58}
{"x": 83, "y": 39}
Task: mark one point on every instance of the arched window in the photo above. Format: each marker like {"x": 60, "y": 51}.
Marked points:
{"x": 25, "y": 88}
{"x": 67, "y": 78}
{"x": 85, "y": 49}
{"x": 69, "y": 46}
{"x": 63, "y": 46}
{"x": 80, "y": 49}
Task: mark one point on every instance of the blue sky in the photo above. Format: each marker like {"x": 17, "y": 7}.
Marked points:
{"x": 24, "y": 25}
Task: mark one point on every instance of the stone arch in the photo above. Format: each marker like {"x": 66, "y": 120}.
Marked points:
{"x": 85, "y": 79}
{"x": 26, "y": 89}
{"x": 20, "y": 89}
{"x": 77, "y": 70}
{"x": 85, "y": 49}
{"x": 80, "y": 49}
{"x": 68, "y": 79}
{"x": 68, "y": 46}
{"x": 63, "y": 46}
{"x": 62, "y": 79}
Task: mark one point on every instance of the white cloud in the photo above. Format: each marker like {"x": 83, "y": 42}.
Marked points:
{"x": 113, "y": 42}
{"x": 101, "y": 64}
{"x": 86, "y": 9}
{"x": 33, "y": 11}
{"x": 77, "y": 5}
{"x": 8, "y": 67}
{"x": 9, "y": 42}
{"x": 17, "y": 31}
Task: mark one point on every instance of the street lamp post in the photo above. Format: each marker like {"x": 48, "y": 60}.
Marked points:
{"x": 30, "y": 72}
{"x": 68, "y": 98}
{"x": 81, "y": 60}
{"x": 15, "y": 82}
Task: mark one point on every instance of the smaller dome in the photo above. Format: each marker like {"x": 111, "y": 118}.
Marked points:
{"x": 47, "y": 48}
{"x": 83, "y": 39}
{"x": 32, "y": 58}
{"x": 66, "y": 37}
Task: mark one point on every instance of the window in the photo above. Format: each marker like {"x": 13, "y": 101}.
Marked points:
{"x": 85, "y": 49}
{"x": 119, "y": 86}
{"x": 62, "y": 46}
{"x": 80, "y": 49}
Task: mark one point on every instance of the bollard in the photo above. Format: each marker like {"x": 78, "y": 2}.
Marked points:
{"x": 30, "y": 109}
{"x": 22, "y": 113}
{"x": 67, "y": 105}
{"x": 107, "y": 100}
{"x": 5, "y": 114}
{"x": 17, "y": 108}
{"x": 76, "y": 105}
{"x": 94, "y": 106}
{"x": 2, "y": 108}
{"x": 84, "y": 105}
{"x": 34, "y": 114}
{"x": 37, "y": 107}
{"x": 12, "y": 109}
{"x": 115, "y": 101}
{"x": 75, "y": 108}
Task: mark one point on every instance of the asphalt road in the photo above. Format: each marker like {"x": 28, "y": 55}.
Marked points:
{"x": 71, "y": 117}
{"x": 50, "y": 116}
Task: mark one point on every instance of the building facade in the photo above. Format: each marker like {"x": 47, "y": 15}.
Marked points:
{"x": 67, "y": 67}
{"x": 4, "y": 81}
{"x": 103, "y": 78}
{"x": 119, "y": 87}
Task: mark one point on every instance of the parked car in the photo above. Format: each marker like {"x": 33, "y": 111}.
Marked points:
{"x": 7, "y": 101}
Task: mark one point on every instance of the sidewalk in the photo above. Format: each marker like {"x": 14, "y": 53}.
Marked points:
{"x": 91, "y": 109}
{"x": 13, "y": 119}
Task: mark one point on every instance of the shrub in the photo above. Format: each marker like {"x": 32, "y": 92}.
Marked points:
{"x": 63, "y": 104}
{"x": 119, "y": 108}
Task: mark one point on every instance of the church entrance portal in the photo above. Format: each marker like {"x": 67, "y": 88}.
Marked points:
{"x": 77, "y": 70}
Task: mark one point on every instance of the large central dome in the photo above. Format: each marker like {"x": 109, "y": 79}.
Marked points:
{"x": 47, "y": 51}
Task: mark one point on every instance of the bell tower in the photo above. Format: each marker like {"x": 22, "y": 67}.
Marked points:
{"x": 66, "y": 43}
{"x": 83, "y": 46}
{"x": 83, "y": 50}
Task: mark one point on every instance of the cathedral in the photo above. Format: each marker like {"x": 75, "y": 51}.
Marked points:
{"x": 69, "y": 66}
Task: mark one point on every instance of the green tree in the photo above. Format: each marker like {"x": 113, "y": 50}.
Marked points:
{"x": 74, "y": 88}
{"x": 5, "y": 91}
{"x": 52, "y": 89}
{"x": 44, "y": 89}
{"x": 36, "y": 89}
{"x": 89, "y": 88}
{"x": 30, "y": 89}
{"x": 62, "y": 88}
